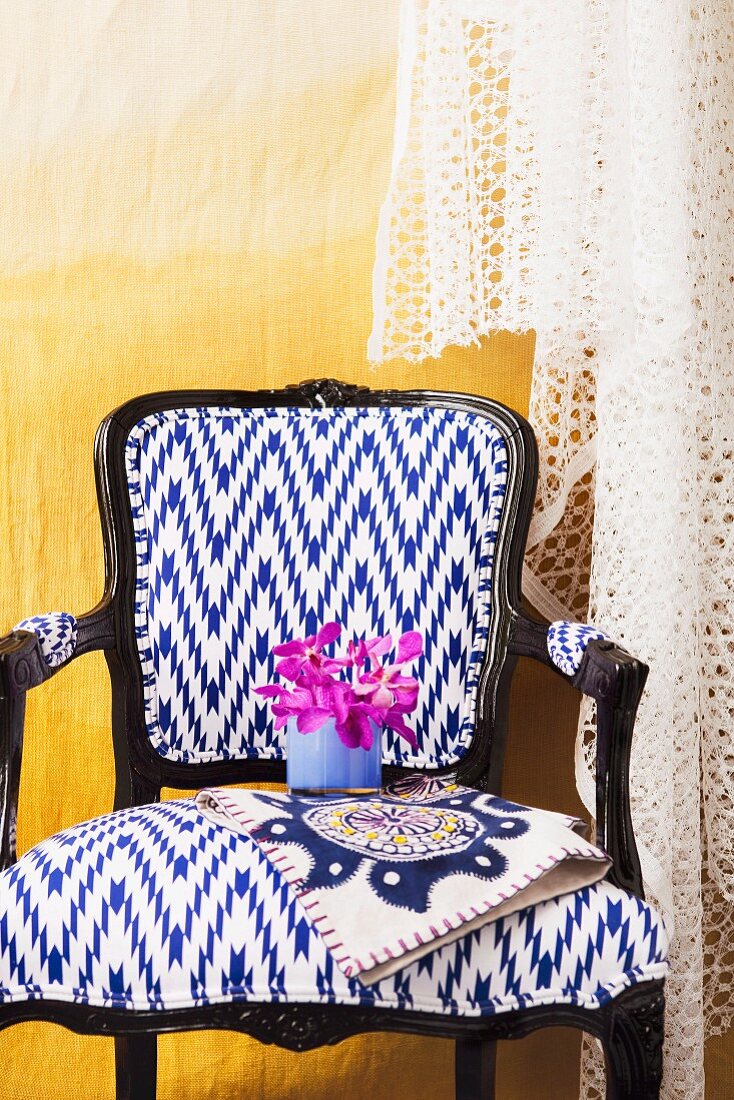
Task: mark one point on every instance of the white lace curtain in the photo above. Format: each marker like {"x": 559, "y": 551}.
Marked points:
{"x": 567, "y": 166}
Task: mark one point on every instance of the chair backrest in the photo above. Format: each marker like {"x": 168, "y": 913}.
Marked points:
{"x": 255, "y": 518}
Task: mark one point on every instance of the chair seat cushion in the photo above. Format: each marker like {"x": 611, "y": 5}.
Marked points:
{"x": 156, "y": 907}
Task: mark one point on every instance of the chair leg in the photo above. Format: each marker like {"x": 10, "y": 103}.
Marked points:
{"x": 136, "y": 1058}
{"x": 475, "y": 1065}
{"x": 633, "y": 1045}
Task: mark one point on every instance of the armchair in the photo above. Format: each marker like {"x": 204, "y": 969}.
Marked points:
{"x": 230, "y": 520}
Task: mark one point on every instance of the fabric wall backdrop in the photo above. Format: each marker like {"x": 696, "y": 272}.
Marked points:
{"x": 189, "y": 197}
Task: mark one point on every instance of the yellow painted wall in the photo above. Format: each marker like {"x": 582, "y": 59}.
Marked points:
{"x": 188, "y": 197}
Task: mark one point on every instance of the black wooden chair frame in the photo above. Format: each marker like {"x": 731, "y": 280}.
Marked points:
{"x": 630, "y": 1026}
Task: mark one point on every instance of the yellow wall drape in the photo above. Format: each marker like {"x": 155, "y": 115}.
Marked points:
{"x": 188, "y": 198}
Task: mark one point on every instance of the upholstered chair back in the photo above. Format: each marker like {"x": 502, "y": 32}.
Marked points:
{"x": 255, "y": 525}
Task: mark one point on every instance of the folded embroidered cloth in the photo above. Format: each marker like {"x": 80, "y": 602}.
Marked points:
{"x": 388, "y": 878}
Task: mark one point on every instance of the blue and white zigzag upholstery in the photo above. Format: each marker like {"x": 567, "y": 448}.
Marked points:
{"x": 253, "y": 526}
{"x": 56, "y": 635}
{"x": 567, "y": 644}
{"x": 156, "y": 907}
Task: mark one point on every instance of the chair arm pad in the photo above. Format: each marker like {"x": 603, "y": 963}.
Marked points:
{"x": 567, "y": 644}
{"x": 567, "y": 648}
{"x": 41, "y": 645}
{"x": 57, "y": 635}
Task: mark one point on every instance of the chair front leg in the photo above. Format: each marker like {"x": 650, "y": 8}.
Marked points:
{"x": 475, "y": 1061}
{"x": 136, "y": 1066}
{"x": 633, "y": 1045}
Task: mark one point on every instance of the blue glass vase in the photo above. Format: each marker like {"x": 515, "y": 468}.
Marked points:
{"x": 320, "y": 764}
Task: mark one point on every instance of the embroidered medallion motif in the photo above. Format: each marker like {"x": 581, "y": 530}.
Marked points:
{"x": 394, "y": 832}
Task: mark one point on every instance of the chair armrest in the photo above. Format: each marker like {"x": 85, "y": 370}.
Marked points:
{"x": 32, "y": 653}
{"x": 41, "y": 645}
{"x": 606, "y": 672}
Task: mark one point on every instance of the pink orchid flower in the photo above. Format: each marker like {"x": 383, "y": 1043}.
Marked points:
{"x": 354, "y": 718}
{"x": 364, "y": 651}
{"x": 298, "y": 654}
{"x": 358, "y": 728}
{"x": 384, "y": 684}
{"x": 298, "y": 704}
{"x": 394, "y": 720}
{"x": 379, "y": 699}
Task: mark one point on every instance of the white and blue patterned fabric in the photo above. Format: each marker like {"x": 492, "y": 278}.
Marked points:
{"x": 157, "y": 907}
{"x": 393, "y": 875}
{"x": 254, "y": 526}
{"x": 56, "y": 635}
{"x": 567, "y": 644}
